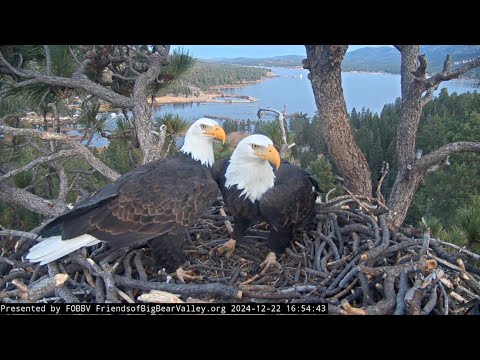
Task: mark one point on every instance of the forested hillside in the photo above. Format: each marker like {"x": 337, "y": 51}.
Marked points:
{"x": 205, "y": 75}
{"x": 407, "y": 247}
{"x": 384, "y": 59}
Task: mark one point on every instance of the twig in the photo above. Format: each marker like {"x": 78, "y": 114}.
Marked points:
{"x": 45, "y": 287}
{"x": 379, "y": 186}
{"x": 62, "y": 291}
{"x": 187, "y": 290}
{"x": 373, "y": 254}
{"x": 456, "y": 247}
{"x": 139, "y": 266}
{"x": 432, "y": 301}
{"x": 402, "y": 290}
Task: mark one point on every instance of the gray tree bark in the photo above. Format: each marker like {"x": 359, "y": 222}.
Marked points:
{"x": 324, "y": 63}
{"x": 138, "y": 102}
{"x": 410, "y": 170}
{"x": 281, "y": 123}
{"x": 142, "y": 112}
{"x": 140, "y": 72}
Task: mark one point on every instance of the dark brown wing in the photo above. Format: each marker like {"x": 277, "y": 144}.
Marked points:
{"x": 291, "y": 200}
{"x": 160, "y": 197}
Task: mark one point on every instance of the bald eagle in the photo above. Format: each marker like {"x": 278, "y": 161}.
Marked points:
{"x": 153, "y": 203}
{"x": 253, "y": 191}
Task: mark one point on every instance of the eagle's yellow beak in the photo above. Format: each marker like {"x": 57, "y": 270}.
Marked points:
{"x": 216, "y": 132}
{"x": 270, "y": 154}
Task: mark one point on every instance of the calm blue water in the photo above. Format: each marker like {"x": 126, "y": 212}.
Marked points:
{"x": 367, "y": 90}
{"x": 97, "y": 140}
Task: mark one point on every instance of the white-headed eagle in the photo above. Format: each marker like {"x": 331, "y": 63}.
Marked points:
{"x": 253, "y": 191}
{"x": 153, "y": 203}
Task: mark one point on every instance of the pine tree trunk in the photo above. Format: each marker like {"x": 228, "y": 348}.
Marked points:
{"x": 408, "y": 179}
{"x": 324, "y": 63}
{"x": 142, "y": 113}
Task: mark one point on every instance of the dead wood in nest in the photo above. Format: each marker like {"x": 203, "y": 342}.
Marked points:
{"x": 348, "y": 258}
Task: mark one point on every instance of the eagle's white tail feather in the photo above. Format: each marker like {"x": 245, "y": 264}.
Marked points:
{"x": 54, "y": 248}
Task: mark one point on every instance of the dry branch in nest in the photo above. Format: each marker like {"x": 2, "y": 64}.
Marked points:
{"x": 347, "y": 258}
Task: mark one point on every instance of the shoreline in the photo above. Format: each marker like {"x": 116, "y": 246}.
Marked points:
{"x": 207, "y": 97}
{"x": 212, "y": 95}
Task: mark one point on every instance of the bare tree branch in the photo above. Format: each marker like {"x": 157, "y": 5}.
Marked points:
{"x": 428, "y": 96}
{"x": 48, "y": 60}
{"x": 73, "y": 55}
{"x": 417, "y": 91}
{"x": 419, "y": 74}
{"x": 78, "y": 74}
{"x": 123, "y": 77}
{"x": 447, "y": 74}
{"x": 38, "y": 161}
{"x": 8, "y": 88}
{"x": 8, "y": 116}
{"x": 324, "y": 63}
{"x": 20, "y": 59}
{"x": 399, "y": 47}
{"x": 35, "y": 203}
{"x": 63, "y": 187}
{"x": 17, "y": 233}
{"x": 72, "y": 83}
{"x": 142, "y": 112}
{"x": 162, "y": 133}
{"x": 56, "y": 118}
{"x": 11, "y": 68}
{"x": 162, "y": 50}
{"x": 280, "y": 117}
{"x": 426, "y": 162}
{"x": 82, "y": 150}
{"x": 447, "y": 64}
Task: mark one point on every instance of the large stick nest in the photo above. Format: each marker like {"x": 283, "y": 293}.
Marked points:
{"x": 348, "y": 258}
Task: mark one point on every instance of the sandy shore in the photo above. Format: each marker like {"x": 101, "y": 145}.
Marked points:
{"x": 204, "y": 97}
{"x": 212, "y": 94}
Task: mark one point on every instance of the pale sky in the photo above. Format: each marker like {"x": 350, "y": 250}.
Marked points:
{"x": 252, "y": 51}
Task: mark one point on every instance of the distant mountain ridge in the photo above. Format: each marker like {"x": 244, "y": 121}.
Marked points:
{"x": 373, "y": 59}
{"x": 280, "y": 61}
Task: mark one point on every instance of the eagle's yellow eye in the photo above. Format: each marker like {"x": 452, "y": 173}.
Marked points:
{"x": 255, "y": 146}
{"x": 203, "y": 126}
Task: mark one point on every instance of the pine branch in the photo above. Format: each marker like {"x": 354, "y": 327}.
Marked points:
{"x": 82, "y": 83}
{"x": 447, "y": 74}
{"x": 425, "y": 163}
{"x": 32, "y": 202}
{"x": 82, "y": 150}
{"x": 48, "y": 60}
{"x": 38, "y": 161}
{"x": 280, "y": 118}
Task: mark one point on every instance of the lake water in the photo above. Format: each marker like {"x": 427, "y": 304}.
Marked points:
{"x": 97, "y": 140}
{"x": 369, "y": 90}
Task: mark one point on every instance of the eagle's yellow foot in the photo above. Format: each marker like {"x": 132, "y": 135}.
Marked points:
{"x": 183, "y": 275}
{"x": 226, "y": 249}
{"x": 270, "y": 260}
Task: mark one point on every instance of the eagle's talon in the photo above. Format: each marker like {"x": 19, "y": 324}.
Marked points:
{"x": 270, "y": 260}
{"x": 183, "y": 275}
{"x": 226, "y": 249}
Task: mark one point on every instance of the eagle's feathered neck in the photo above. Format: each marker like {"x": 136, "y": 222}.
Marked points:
{"x": 199, "y": 148}
{"x": 254, "y": 176}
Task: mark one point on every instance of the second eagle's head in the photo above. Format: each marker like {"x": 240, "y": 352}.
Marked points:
{"x": 254, "y": 149}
